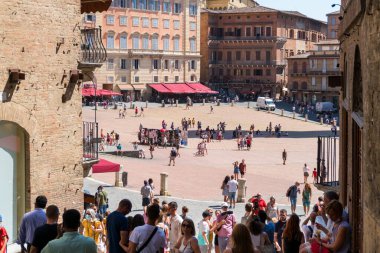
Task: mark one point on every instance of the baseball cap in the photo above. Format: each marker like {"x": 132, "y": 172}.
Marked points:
{"x": 224, "y": 204}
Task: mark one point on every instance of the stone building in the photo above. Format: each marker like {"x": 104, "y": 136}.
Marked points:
{"x": 360, "y": 120}
{"x": 41, "y": 68}
{"x": 244, "y": 50}
{"x": 227, "y": 4}
{"x": 157, "y": 42}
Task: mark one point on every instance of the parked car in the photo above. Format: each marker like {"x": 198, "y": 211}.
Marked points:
{"x": 265, "y": 103}
{"x": 325, "y": 107}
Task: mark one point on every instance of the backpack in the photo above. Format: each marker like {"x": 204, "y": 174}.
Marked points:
{"x": 173, "y": 153}
{"x": 288, "y": 191}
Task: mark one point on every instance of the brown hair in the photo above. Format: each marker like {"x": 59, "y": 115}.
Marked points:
{"x": 241, "y": 240}
{"x": 336, "y": 207}
{"x": 292, "y": 229}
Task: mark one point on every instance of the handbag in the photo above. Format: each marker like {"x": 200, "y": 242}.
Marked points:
{"x": 317, "y": 248}
{"x": 147, "y": 241}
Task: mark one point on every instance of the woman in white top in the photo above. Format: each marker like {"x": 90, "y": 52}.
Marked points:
{"x": 272, "y": 209}
{"x": 187, "y": 243}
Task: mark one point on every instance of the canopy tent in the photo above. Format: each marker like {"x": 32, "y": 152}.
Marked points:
{"x": 87, "y": 92}
{"x": 160, "y": 88}
{"x": 104, "y": 166}
{"x": 200, "y": 88}
{"x": 179, "y": 88}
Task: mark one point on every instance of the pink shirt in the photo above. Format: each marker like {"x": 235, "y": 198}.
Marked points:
{"x": 226, "y": 229}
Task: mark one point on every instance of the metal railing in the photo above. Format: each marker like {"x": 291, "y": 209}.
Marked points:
{"x": 252, "y": 38}
{"x": 327, "y": 168}
{"x": 93, "y": 50}
{"x": 90, "y": 141}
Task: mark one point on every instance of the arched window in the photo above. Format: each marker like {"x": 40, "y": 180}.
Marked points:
{"x": 291, "y": 34}
{"x": 304, "y": 67}
{"x": 110, "y": 40}
{"x": 295, "y": 85}
{"x": 193, "y": 78}
{"x": 304, "y": 86}
{"x": 123, "y": 41}
{"x": 145, "y": 41}
{"x": 155, "y": 41}
{"x": 166, "y": 43}
{"x": 295, "y": 67}
{"x": 136, "y": 41}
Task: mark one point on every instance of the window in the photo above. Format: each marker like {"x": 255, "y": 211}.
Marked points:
{"x": 143, "y": 4}
{"x": 123, "y": 20}
{"x": 154, "y": 5}
{"x": 145, "y": 42}
{"x": 119, "y": 3}
{"x": 135, "y": 21}
{"x": 193, "y": 10}
{"x": 137, "y": 79}
{"x": 135, "y": 63}
{"x": 109, "y": 64}
{"x": 135, "y": 41}
{"x": 176, "y": 44}
{"x": 193, "y": 64}
{"x": 257, "y": 31}
{"x": 267, "y": 72}
{"x": 295, "y": 67}
{"x": 177, "y": 8}
{"x": 123, "y": 4}
{"x": 110, "y": 40}
{"x": 123, "y": 41}
{"x": 193, "y": 78}
{"x": 166, "y": 78}
{"x": 291, "y": 34}
{"x": 333, "y": 21}
{"x": 176, "y": 79}
{"x": 333, "y": 34}
{"x": 155, "y": 64}
{"x": 295, "y": 85}
{"x": 155, "y": 22}
{"x": 176, "y": 24}
{"x": 248, "y": 31}
{"x": 110, "y": 19}
{"x": 166, "y": 23}
{"x": 304, "y": 67}
{"x": 258, "y": 72}
{"x": 220, "y": 55}
{"x": 313, "y": 81}
{"x": 155, "y": 79}
{"x": 229, "y": 56}
{"x": 267, "y": 57}
{"x": 134, "y": 4}
{"x": 123, "y": 79}
{"x": 335, "y": 64}
{"x": 238, "y": 55}
{"x": 166, "y": 43}
{"x": 109, "y": 79}
{"x": 258, "y": 55}
{"x": 268, "y": 31}
{"x": 193, "y": 45}
{"x": 193, "y": 26}
{"x": 166, "y": 7}
{"x": 166, "y": 64}
{"x": 155, "y": 42}
{"x": 176, "y": 64}
{"x": 145, "y": 22}
{"x": 123, "y": 63}
{"x": 248, "y": 55}
{"x": 91, "y": 18}
{"x": 304, "y": 85}
{"x": 248, "y": 72}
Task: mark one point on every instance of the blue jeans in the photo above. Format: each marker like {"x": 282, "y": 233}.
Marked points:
{"x": 102, "y": 209}
{"x": 222, "y": 242}
{"x": 293, "y": 201}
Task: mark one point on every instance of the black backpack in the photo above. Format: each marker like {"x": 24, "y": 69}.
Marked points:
{"x": 288, "y": 191}
{"x": 173, "y": 153}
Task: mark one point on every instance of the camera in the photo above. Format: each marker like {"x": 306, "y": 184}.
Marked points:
{"x": 227, "y": 213}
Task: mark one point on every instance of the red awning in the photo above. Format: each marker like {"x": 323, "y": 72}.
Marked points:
{"x": 87, "y": 92}
{"x": 200, "y": 88}
{"x": 160, "y": 88}
{"x": 179, "y": 88}
{"x": 105, "y": 166}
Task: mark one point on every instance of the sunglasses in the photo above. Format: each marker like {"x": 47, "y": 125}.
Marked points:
{"x": 186, "y": 225}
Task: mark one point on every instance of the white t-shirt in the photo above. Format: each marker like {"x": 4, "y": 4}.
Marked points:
{"x": 174, "y": 230}
{"x": 306, "y": 169}
{"x": 141, "y": 234}
{"x": 232, "y": 185}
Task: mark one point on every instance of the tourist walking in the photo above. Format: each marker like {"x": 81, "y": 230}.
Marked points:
{"x": 236, "y": 169}
{"x": 71, "y": 241}
{"x": 232, "y": 189}
{"x": 224, "y": 188}
{"x": 173, "y": 155}
{"x": 240, "y": 241}
{"x": 242, "y": 168}
{"x": 187, "y": 242}
{"x": 4, "y": 238}
{"x": 118, "y": 227}
{"x": 92, "y": 227}
{"x": 292, "y": 195}
{"x": 151, "y": 149}
{"x": 146, "y": 193}
{"x": 47, "y": 232}
{"x": 175, "y": 222}
{"x": 147, "y": 238}
{"x": 30, "y": 222}
{"x": 226, "y": 221}
{"x": 306, "y": 197}
{"x": 272, "y": 209}
{"x": 259, "y": 238}
{"x": 203, "y": 232}
{"x": 284, "y": 156}
{"x": 101, "y": 199}
{"x": 292, "y": 237}
{"x": 315, "y": 177}
{"x": 306, "y": 171}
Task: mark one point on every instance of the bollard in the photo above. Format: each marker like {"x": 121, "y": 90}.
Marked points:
{"x": 146, "y": 104}
{"x": 164, "y": 184}
{"x": 176, "y": 103}
{"x": 130, "y": 105}
{"x": 124, "y": 178}
{"x": 218, "y": 102}
{"x": 294, "y": 115}
{"x": 241, "y": 190}
{"x": 232, "y": 102}
{"x": 282, "y": 112}
{"x": 118, "y": 179}
{"x": 306, "y": 117}
{"x": 163, "y": 103}
{"x": 248, "y": 105}
{"x": 203, "y": 102}
{"x": 268, "y": 109}
{"x": 321, "y": 120}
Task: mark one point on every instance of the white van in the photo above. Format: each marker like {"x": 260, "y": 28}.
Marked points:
{"x": 265, "y": 103}
{"x": 325, "y": 107}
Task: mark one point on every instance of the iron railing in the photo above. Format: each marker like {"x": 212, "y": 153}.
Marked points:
{"x": 93, "y": 50}
{"x": 327, "y": 167}
{"x": 90, "y": 141}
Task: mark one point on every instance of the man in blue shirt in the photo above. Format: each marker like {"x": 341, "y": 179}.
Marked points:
{"x": 30, "y": 222}
{"x": 117, "y": 227}
{"x": 293, "y": 191}
{"x": 71, "y": 241}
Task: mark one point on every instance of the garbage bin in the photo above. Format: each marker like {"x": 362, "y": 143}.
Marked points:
{"x": 124, "y": 178}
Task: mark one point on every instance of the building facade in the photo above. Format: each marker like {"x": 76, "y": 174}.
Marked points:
{"x": 40, "y": 105}
{"x": 309, "y": 74}
{"x": 333, "y": 22}
{"x": 244, "y": 50}
{"x": 149, "y": 42}
{"x": 227, "y": 4}
{"x": 360, "y": 121}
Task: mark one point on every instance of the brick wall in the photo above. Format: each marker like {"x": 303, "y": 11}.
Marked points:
{"x": 30, "y": 31}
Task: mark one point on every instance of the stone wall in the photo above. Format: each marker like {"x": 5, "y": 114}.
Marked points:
{"x": 41, "y": 38}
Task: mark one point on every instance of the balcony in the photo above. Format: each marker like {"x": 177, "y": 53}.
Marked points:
{"x": 324, "y": 73}
{"x": 88, "y": 6}
{"x": 93, "y": 52}
{"x": 327, "y": 163}
{"x": 247, "y": 64}
{"x": 255, "y": 39}
{"x": 90, "y": 145}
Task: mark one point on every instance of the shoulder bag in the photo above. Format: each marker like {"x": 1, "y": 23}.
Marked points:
{"x": 147, "y": 241}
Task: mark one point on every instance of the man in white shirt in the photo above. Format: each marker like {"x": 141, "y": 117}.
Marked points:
{"x": 232, "y": 189}
{"x": 148, "y": 238}
{"x": 174, "y": 226}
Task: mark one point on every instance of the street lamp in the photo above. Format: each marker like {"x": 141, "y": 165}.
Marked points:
{"x": 341, "y": 8}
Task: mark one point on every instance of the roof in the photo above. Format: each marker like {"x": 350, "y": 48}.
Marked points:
{"x": 333, "y": 13}
{"x": 295, "y": 13}
{"x": 328, "y": 42}
{"x": 299, "y": 56}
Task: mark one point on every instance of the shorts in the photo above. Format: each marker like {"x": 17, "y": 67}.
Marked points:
{"x": 306, "y": 203}
{"x": 172, "y": 158}
{"x": 236, "y": 171}
{"x": 232, "y": 195}
{"x": 306, "y": 174}
{"x": 293, "y": 201}
{"x": 242, "y": 173}
{"x": 216, "y": 240}
{"x": 145, "y": 201}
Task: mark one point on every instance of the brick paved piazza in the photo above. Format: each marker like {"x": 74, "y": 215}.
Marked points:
{"x": 200, "y": 178}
